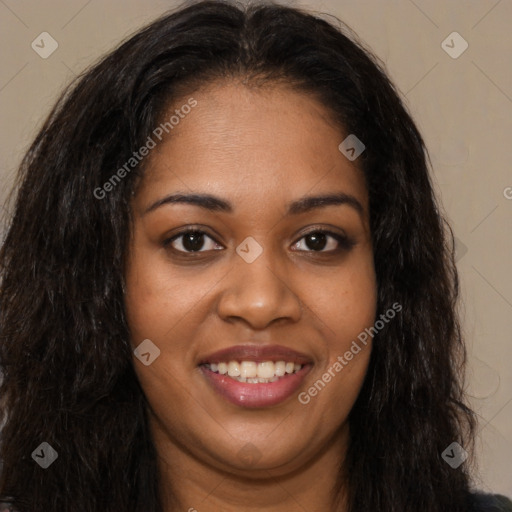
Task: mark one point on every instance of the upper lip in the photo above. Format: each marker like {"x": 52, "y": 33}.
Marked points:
{"x": 257, "y": 353}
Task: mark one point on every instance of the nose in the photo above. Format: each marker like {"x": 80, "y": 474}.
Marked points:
{"x": 258, "y": 293}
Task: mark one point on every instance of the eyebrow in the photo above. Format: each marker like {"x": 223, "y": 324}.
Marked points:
{"x": 302, "y": 205}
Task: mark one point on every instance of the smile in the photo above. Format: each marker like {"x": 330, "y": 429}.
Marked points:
{"x": 255, "y": 375}
{"x": 253, "y": 372}
{"x": 251, "y": 394}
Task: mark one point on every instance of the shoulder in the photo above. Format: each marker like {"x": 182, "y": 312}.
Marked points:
{"x": 482, "y": 502}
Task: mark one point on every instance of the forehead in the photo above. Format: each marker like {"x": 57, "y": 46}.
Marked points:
{"x": 265, "y": 145}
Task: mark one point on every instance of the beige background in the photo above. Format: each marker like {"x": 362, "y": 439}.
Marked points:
{"x": 463, "y": 107}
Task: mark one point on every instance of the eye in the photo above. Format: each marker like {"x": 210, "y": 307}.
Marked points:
{"x": 318, "y": 241}
{"x": 193, "y": 240}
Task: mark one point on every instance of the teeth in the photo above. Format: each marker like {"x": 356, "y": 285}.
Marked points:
{"x": 248, "y": 369}
{"x": 280, "y": 368}
{"x": 233, "y": 369}
{"x": 266, "y": 370}
{"x": 254, "y": 373}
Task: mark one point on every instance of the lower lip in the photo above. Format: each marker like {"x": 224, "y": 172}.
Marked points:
{"x": 264, "y": 394}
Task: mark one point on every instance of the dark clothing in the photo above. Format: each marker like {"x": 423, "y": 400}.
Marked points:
{"x": 481, "y": 503}
{"x": 490, "y": 503}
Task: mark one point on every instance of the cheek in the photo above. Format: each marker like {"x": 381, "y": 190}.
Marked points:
{"x": 337, "y": 382}
{"x": 348, "y": 347}
{"x": 166, "y": 307}
{"x": 160, "y": 307}
{"x": 156, "y": 297}
{"x": 347, "y": 304}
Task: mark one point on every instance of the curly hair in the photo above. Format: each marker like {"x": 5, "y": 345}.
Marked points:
{"x": 65, "y": 354}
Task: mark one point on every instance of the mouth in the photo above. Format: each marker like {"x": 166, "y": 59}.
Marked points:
{"x": 255, "y": 376}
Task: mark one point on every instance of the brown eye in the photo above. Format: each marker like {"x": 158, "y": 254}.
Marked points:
{"x": 191, "y": 241}
{"x": 320, "y": 240}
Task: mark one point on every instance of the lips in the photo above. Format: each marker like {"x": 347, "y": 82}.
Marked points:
{"x": 253, "y": 394}
{"x": 256, "y": 353}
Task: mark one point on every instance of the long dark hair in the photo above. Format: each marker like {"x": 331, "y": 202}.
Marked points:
{"x": 65, "y": 353}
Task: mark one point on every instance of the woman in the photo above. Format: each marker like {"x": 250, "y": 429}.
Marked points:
{"x": 227, "y": 286}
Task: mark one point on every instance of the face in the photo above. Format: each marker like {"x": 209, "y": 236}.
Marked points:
{"x": 258, "y": 280}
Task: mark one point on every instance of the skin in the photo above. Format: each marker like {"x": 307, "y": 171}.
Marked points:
{"x": 259, "y": 149}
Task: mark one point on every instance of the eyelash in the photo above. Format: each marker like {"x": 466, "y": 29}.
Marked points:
{"x": 344, "y": 243}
